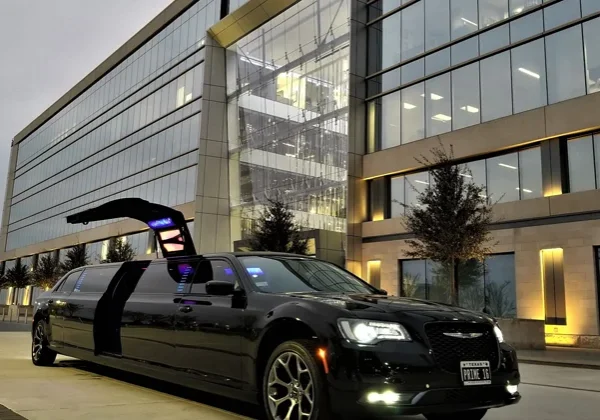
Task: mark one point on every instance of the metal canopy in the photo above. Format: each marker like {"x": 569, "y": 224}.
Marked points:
{"x": 168, "y": 224}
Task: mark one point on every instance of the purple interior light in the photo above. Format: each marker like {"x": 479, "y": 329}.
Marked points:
{"x": 161, "y": 223}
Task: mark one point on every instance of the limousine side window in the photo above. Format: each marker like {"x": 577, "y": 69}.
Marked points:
{"x": 69, "y": 283}
{"x": 221, "y": 271}
{"x": 95, "y": 280}
{"x": 161, "y": 277}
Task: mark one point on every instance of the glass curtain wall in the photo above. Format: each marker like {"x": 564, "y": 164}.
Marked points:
{"x": 490, "y": 285}
{"x": 288, "y": 116}
{"x": 443, "y": 65}
{"x": 134, "y": 133}
{"x": 508, "y": 177}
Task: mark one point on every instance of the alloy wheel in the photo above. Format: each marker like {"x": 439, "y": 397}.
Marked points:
{"x": 38, "y": 341}
{"x": 290, "y": 388}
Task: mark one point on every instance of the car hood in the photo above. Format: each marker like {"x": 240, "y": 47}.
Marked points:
{"x": 364, "y": 304}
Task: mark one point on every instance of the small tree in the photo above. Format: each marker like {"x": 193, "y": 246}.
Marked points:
{"x": 46, "y": 272}
{"x": 275, "y": 230}
{"x": 76, "y": 257}
{"x": 18, "y": 276}
{"x": 119, "y": 250}
{"x": 451, "y": 218}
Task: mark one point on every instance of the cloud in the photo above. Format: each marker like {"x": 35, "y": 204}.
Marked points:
{"x": 49, "y": 46}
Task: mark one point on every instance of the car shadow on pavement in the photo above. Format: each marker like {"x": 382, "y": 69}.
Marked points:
{"x": 223, "y": 403}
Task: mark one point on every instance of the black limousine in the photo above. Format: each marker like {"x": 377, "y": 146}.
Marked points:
{"x": 305, "y": 338}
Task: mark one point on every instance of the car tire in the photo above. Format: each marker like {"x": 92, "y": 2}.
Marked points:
{"x": 462, "y": 415}
{"x": 41, "y": 354}
{"x": 289, "y": 373}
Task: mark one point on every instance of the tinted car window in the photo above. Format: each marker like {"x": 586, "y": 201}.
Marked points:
{"x": 69, "y": 283}
{"x": 95, "y": 280}
{"x": 162, "y": 277}
{"x": 219, "y": 270}
{"x": 291, "y": 274}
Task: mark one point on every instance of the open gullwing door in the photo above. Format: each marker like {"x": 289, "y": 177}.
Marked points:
{"x": 168, "y": 224}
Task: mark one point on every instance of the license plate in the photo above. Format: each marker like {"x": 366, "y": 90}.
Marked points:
{"x": 476, "y": 373}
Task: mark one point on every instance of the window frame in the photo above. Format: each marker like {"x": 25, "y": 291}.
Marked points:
{"x": 239, "y": 286}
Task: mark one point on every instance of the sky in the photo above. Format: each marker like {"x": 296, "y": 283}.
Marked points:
{"x": 47, "y": 46}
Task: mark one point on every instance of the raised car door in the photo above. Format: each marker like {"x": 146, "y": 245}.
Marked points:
{"x": 210, "y": 323}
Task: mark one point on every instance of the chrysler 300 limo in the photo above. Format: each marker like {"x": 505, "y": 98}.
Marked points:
{"x": 304, "y": 338}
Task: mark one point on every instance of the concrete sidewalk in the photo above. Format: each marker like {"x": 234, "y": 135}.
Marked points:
{"x": 562, "y": 356}
{"x": 14, "y": 326}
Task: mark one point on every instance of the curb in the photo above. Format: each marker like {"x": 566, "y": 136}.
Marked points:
{"x": 559, "y": 364}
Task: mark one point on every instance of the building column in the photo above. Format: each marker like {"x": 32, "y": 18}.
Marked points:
{"x": 211, "y": 221}
{"x": 357, "y": 199}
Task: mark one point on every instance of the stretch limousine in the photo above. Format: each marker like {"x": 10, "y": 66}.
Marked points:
{"x": 302, "y": 337}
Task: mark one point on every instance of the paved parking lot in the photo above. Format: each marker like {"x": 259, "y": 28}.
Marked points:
{"x": 76, "y": 390}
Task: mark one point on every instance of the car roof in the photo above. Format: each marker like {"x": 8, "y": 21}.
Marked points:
{"x": 209, "y": 255}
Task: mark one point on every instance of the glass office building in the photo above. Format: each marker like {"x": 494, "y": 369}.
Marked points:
{"x": 218, "y": 106}
{"x": 287, "y": 87}
{"x": 510, "y": 85}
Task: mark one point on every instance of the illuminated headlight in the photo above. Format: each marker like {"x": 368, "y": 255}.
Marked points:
{"x": 512, "y": 389}
{"x": 499, "y": 334}
{"x": 361, "y": 331}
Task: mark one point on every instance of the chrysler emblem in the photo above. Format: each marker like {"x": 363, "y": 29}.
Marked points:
{"x": 463, "y": 335}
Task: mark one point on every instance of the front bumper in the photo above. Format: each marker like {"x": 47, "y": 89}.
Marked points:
{"x": 413, "y": 377}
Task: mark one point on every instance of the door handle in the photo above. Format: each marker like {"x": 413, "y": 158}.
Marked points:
{"x": 185, "y": 309}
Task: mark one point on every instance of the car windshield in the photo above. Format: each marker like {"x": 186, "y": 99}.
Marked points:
{"x": 296, "y": 274}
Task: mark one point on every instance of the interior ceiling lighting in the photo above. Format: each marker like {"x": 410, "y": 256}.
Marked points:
{"x": 409, "y": 106}
{"x": 524, "y": 190}
{"x": 469, "y": 22}
{"x": 441, "y": 117}
{"x": 470, "y": 109}
{"x": 507, "y": 166}
{"x": 529, "y": 72}
{"x": 466, "y": 175}
{"x": 433, "y": 96}
{"x": 422, "y": 182}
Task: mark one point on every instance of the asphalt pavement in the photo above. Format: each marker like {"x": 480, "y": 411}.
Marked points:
{"x": 74, "y": 390}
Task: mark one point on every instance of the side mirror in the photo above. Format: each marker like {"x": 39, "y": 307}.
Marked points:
{"x": 383, "y": 292}
{"x": 219, "y": 288}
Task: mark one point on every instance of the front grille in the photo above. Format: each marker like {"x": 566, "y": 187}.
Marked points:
{"x": 475, "y": 395}
{"x": 450, "y": 351}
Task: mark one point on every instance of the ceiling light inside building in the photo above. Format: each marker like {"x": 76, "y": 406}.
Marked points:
{"x": 469, "y": 22}
{"x": 466, "y": 175}
{"x": 507, "y": 166}
{"x": 433, "y": 96}
{"x": 529, "y": 72}
{"x": 441, "y": 117}
{"x": 422, "y": 182}
{"x": 470, "y": 109}
{"x": 518, "y": 10}
{"x": 524, "y": 190}
{"x": 409, "y": 106}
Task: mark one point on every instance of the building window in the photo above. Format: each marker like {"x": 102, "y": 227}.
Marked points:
{"x": 509, "y": 177}
{"x": 580, "y": 154}
{"x": 488, "y": 286}
{"x": 564, "y": 52}
{"x": 551, "y": 69}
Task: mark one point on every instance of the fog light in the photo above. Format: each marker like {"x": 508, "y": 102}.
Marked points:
{"x": 512, "y": 389}
{"x": 387, "y": 397}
